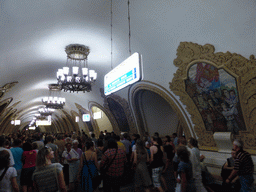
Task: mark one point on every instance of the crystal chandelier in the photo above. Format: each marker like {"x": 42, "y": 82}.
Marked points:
{"x": 54, "y": 102}
{"x": 76, "y": 76}
{"x": 45, "y": 111}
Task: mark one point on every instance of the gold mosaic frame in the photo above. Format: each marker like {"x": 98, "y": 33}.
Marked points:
{"x": 242, "y": 69}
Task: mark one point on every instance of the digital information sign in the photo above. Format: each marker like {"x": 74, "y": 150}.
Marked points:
{"x": 86, "y": 117}
{"x": 126, "y": 73}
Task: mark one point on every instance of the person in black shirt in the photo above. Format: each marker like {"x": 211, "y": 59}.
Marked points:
{"x": 168, "y": 169}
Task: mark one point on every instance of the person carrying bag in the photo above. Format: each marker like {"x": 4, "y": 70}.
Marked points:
{"x": 112, "y": 166}
{"x": 88, "y": 170}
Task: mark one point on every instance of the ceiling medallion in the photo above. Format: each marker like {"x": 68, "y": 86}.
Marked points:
{"x": 76, "y": 76}
{"x": 53, "y": 101}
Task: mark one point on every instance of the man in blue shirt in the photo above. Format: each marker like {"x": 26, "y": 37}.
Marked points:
{"x": 17, "y": 156}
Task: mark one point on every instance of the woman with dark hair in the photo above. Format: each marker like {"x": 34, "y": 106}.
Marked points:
{"x": 141, "y": 157}
{"x": 168, "y": 169}
{"x": 29, "y": 165}
{"x": 48, "y": 176}
{"x": 88, "y": 168}
{"x": 8, "y": 174}
{"x": 157, "y": 163}
{"x": 113, "y": 160}
{"x": 195, "y": 160}
{"x": 185, "y": 170}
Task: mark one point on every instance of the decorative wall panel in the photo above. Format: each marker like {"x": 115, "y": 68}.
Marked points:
{"x": 219, "y": 92}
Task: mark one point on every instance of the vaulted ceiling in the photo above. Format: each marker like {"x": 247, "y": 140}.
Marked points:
{"x": 34, "y": 34}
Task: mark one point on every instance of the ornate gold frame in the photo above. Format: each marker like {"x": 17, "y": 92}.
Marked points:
{"x": 243, "y": 69}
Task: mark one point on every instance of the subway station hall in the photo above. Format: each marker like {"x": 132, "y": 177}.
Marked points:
{"x": 127, "y": 95}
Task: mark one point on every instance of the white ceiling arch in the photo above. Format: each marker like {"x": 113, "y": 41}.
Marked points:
{"x": 34, "y": 34}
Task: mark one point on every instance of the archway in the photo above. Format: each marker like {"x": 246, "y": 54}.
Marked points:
{"x": 157, "y": 110}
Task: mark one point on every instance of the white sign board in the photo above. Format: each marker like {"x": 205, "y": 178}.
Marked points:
{"x": 126, "y": 73}
{"x": 86, "y": 117}
{"x": 97, "y": 115}
{"x": 43, "y": 122}
{"x": 17, "y": 122}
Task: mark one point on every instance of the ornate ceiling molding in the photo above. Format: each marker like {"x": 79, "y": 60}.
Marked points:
{"x": 4, "y": 104}
{"x": 71, "y": 120}
{"x": 94, "y": 124}
{"x": 242, "y": 69}
{"x": 6, "y": 88}
{"x": 6, "y": 123}
{"x": 125, "y": 105}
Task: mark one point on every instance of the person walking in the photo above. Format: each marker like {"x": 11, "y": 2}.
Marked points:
{"x": 48, "y": 176}
{"x": 115, "y": 160}
{"x": 8, "y": 174}
{"x": 142, "y": 177}
{"x": 157, "y": 163}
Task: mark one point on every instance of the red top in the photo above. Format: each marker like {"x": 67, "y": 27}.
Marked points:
{"x": 29, "y": 159}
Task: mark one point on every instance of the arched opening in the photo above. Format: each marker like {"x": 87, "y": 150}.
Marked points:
{"x": 155, "y": 114}
{"x": 119, "y": 114}
{"x": 103, "y": 122}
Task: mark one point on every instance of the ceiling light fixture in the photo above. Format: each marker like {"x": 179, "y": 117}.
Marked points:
{"x": 46, "y": 111}
{"x": 53, "y": 101}
{"x": 76, "y": 76}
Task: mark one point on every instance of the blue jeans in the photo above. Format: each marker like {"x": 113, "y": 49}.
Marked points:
{"x": 246, "y": 183}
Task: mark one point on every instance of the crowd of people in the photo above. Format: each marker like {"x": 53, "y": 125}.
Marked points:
{"x": 77, "y": 162}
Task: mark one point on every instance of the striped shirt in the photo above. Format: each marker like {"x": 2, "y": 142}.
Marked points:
{"x": 45, "y": 177}
{"x": 243, "y": 163}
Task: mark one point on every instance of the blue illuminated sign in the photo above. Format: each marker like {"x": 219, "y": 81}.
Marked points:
{"x": 126, "y": 73}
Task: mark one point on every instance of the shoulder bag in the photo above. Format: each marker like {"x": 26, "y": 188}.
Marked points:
{"x": 3, "y": 174}
{"x": 105, "y": 168}
{"x": 96, "y": 180}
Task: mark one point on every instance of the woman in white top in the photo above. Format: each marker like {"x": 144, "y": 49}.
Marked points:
{"x": 72, "y": 158}
{"x": 195, "y": 160}
{"x": 8, "y": 174}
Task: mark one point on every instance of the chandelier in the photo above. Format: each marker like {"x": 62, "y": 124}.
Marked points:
{"x": 54, "y": 102}
{"x": 44, "y": 111}
{"x": 76, "y": 76}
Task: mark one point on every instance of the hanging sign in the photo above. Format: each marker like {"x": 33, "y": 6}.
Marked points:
{"x": 126, "y": 73}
